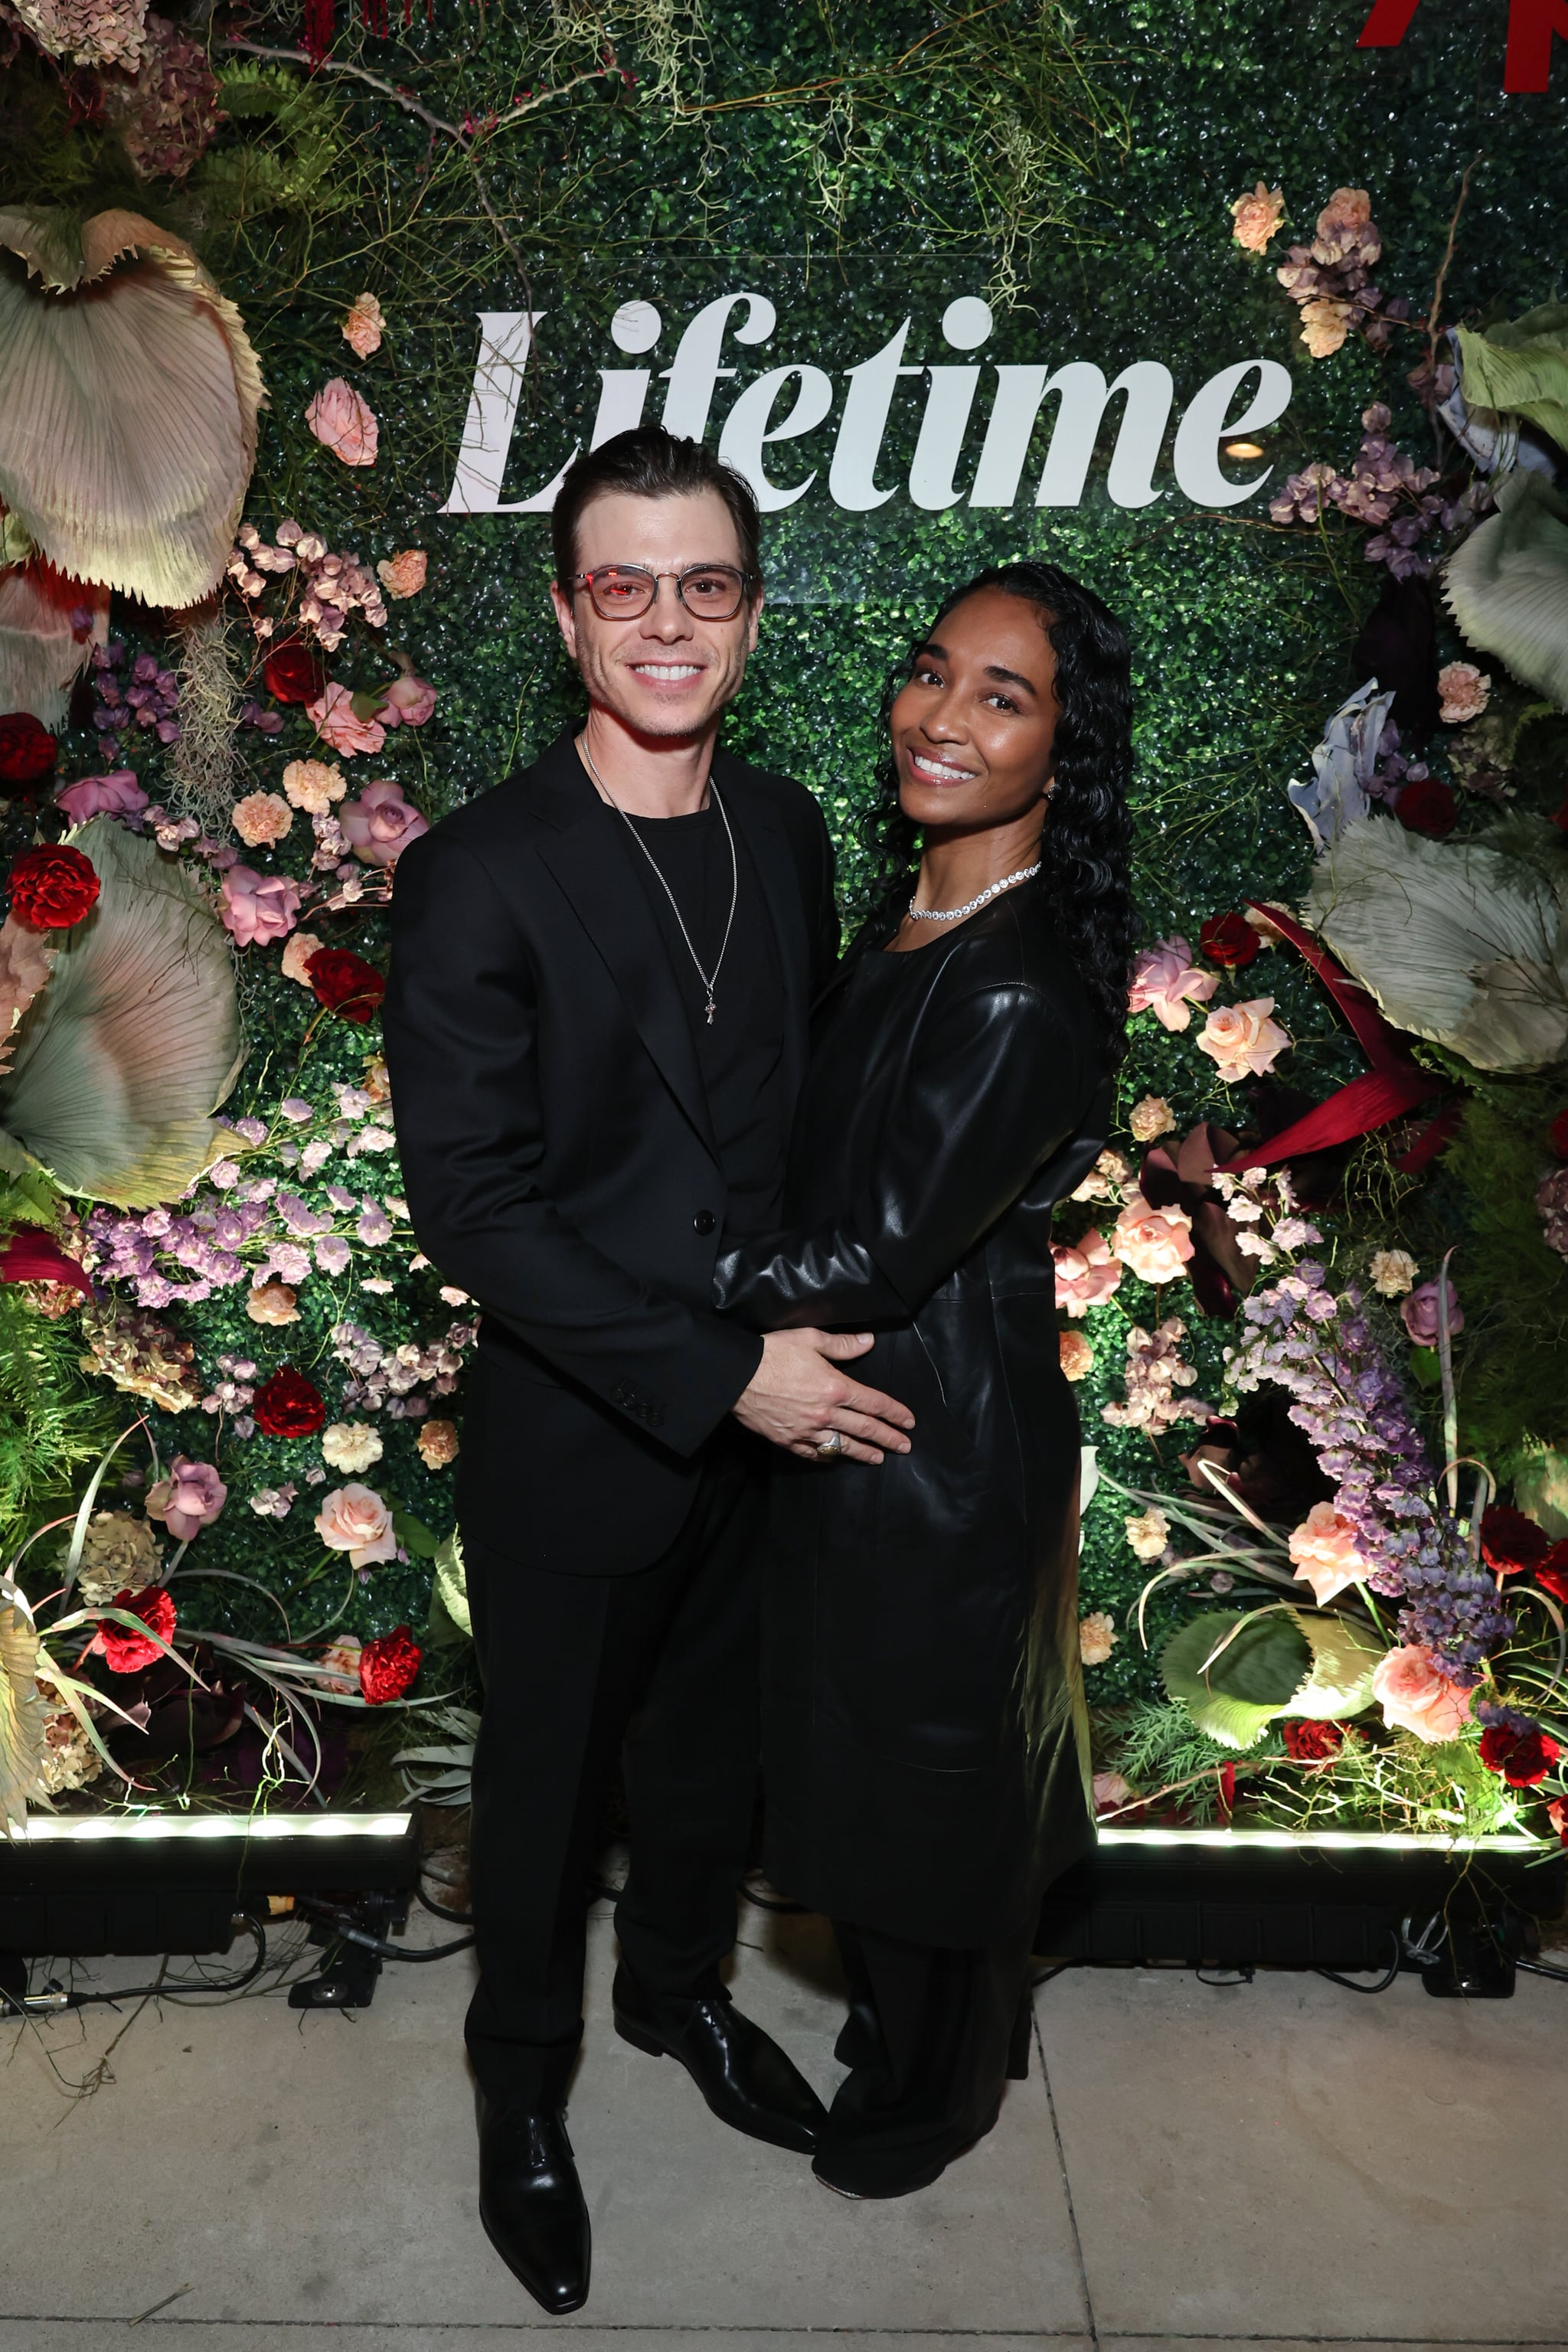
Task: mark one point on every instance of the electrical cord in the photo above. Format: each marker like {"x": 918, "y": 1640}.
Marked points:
{"x": 1348, "y": 1983}
{"x": 1544, "y": 1969}
{"x": 56, "y": 2004}
{"x": 327, "y": 1918}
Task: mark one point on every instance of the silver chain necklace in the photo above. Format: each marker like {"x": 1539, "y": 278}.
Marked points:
{"x": 708, "y": 979}
{"x": 956, "y": 914}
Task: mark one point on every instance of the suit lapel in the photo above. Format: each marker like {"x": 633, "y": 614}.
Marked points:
{"x": 760, "y": 831}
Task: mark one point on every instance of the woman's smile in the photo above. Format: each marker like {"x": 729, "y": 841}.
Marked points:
{"x": 939, "y": 768}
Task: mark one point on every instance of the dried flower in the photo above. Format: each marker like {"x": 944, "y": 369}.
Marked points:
{"x": 1324, "y": 327}
{"x": 1464, "y": 690}
{"x": 1257, "y": 217}
{"x": 344, "y": 423}
{"x": 1393, "y": 1271}
{"x": 166, "y": 115}
{"x": 1551, "y": 1202}
{"x": 1244, "y": 1041}
{"x": 1096, "y": 1637}
{"x": 120, "y": 1553}
{"x": 141, "y": 1355}
{"x": 1148, "y": 1532}
{"x": 1155, "y": 1370}
{"x": 261, "y": 818}
{"x": 362, "y": 322}
{"x": 404, "y": 574}
{"x": 351, "y": 1446}
{"x": 1075, "y": 1355}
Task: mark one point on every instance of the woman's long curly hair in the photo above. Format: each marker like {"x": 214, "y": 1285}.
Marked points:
{"x": 1084, "y": 846}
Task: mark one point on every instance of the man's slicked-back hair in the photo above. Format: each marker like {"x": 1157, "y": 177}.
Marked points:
{"x": 649, "y": 463}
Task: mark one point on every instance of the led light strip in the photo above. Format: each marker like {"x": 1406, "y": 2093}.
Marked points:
{"x": 1329, "y": 1841}
{"x": 102, "y": 1829}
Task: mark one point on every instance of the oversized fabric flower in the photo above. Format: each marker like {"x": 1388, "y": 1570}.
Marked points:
{"x": 1418, "y": 1313}
{"x": 1466, "y": 691}
{"x": 115, "y": 794}
{"x": 1096, "y": 1637}
{"x": 294, "y": 671}
{"x": 355, "y": 1520}
{"x": 259, "y": 907}
{"x": 126, "y": 1653}
{"x": 313, "y": 785}
{"x": 1150, "y": 1119}
{"x": 389, "y": 1665}
{"x": 53, "y": 888}
{"x": 262, "y": 818}
{"x": 1167, "y": 983}
{"x": 288, "y": 1405}
{"x": 1512, "y": 1544}
{"x": 1393, "y": 1271}
{"x": 26, "y": 753}
{"x": 334, "y": 720}
{"x": 404, "y": 574}
{"x": 1152, "y": 1244}
{"x": 409, "y": 702}
{"x": 1074, "y": 1354}
{"x": 1244, "y": 1041}
{"x": 273, "y": 1303}
{"x": 351, "y": 1446}
{"x": 1415, "y": 1697}
{"x": 188, "y": 1499}
{"x": 1087, "y": 1275}
{"x": 345, "y": 984}
{"x": 1323, "y": 1553}
{"x": 344, "y": 423}
{"x": 380, "y": 825}
{"x": 1257, "y": 217}
{"x": 362, "y": 323}
{"x": 1229, "y": 940}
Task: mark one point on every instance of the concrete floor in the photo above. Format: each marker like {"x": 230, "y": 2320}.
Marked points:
{"x": 1278, "y": 2164}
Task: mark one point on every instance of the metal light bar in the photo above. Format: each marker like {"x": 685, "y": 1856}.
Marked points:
{"x": 101, "y": 1828}
{"x": 1329, "y": 1841}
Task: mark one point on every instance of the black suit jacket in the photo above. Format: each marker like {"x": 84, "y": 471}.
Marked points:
{"x": 557, "y": 1153}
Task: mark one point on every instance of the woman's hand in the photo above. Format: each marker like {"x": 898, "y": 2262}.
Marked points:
{"x": 798, "y": 1397}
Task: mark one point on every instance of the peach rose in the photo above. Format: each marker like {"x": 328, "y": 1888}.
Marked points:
{"x": 362, "y": 323}
{"x": 261, "y": 818}
{"x": 1167, "y": 983}
{"x": 1077, "y": 1355}
{"x": 1417, "y": 1697}
{"x": 1393, "y": 1271}
{"x": 297, "y": 957}
{"x": 344, "y": 423}
{"x": 351, "y": 1446}
{"x": 1152, "y": 1244}
{"x": 332, "y": 716}
{"x": 355, "y": 1520}
{"x": 437, "y": 1443}
{"x": 404, "y": 574}
{"x": 1151, "y": 1118}
{"x": 1323, "y": 1553}
{"x": 1324, "y": 326}
{"x": 408, "y": 703}
{"x": 259, "y": 907}
{"x": 313, "y": 785}
{"x": 1258, "y": 216}
{"x": 380, "y": 825}
{"x": 1087, "y": 1276}
{"x": 1466, "y": 691}
{"x": 272, "y": 1302}
{"x": 342, "y": 1657}
{"x": 1096, "y": 1637}
{"x": 1243, "y": 1040}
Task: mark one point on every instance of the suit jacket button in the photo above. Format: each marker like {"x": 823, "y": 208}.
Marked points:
{"x": 703, "y": 1222}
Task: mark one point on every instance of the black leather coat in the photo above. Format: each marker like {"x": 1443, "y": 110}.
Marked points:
{"x": 926, "y": 1758}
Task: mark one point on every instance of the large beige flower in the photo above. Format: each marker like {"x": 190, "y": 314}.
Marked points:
{"x": 351, "y": 1446}
{"x": 1242, "y": 1040}
{"x": 1324, "y": 326}
{"x": 355, "y": 1520}
{"x": 313, "y": 785}
{"x": 1152, "y": 1244}
{"x": 1258, "y": 216}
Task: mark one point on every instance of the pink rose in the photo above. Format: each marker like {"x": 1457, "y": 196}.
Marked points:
{"x": 1086, "y": 1275}
{"x": 1258, "y": 216}
{"x": 1154, "y": 1244}
{"x": 342, "y": 1657}
{"x": 116, "y": 794}
{"x": 1466, "y": 691}
{"x": 355, "y": 1520}
{"x": 1167, "y": 983}
{"x": 344, "y": 423}
{"x": 1418, "y": 1313}
{"x": 1323, "y": 1553}
{"x": 259, "y": 907}
{"x": 1417, "y": 1697}
{"x": 188, "y": 1499}
{"x": 262, "y": 818}
{"x": 1242, "y": 1039}
{"x": 332, "y": 716}
{"x": 362, "y": 323}
{"x": 380, "y": 823}
{"x": 1112, "y": 1794}
{"x": 404, "y": 574}
{"x": 296, "y": 961}
{"x": 409, "y": 702}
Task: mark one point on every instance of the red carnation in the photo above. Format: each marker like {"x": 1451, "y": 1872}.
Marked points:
{"x": 1557, "y": 1135}
{"x": 1511, "y": 1543}
{"x": 287, "y": 1405}
{"x": 1311, "y": 1742}
{"x": 1426, "y": 807}
{"x": 388, "y": 1665}
{"x": 26, "y": 753}
{"x": 345, "y": 984}
{"x": 125, "y": 1653}
{"x": 1551, "y": 1574}
{"x": 294, "y": 672}
{"x": 54, "y": 888}
{"x": 1523, "y": 1758}
{"x": 1229, "y": 940}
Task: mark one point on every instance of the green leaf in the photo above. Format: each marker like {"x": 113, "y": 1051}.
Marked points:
{"x": 1424, "y": 1366}
{"x": 414, "y": 1534}
{"x": 1522, "y": 368}
{"x": 1235, "y": 1697}
{"x": 1345, "y": 1655}
{"x": 451, "y": 1582}
{"x": 21, "y": 1716}
{"x": 1507, "y": 585}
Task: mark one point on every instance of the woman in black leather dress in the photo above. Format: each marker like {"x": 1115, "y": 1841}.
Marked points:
{"x": 925, "y": 1751}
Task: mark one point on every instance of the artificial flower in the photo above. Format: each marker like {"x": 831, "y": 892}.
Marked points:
{"x": 272, "y": 1303}
{"x": 1096, "y": 1637}
{"x": 1075, "y": 1355}
{"x": 1258, "y": 216}
{"x": 1112, "y": 1794}
{"x": 355, "y": 1520}
{"x": 261, "y": 818}
{"x": 1167, "y": 983}
{"x": 295, "y": 961}
{"x": 120, "y": 1553}
{"x": 1415, "y": 1697}
{"x": 333, "y": 718}
{"x": 288, "y": 1405}
{"x": 1393, "y": 1271}
{"x": 1323, "y": 1553}
{"x": 380, "y": 825}
{"x": 294, "y": 672}
{"x": 1312, "y": 1742}
{"x": 409, "y": 702}
{"x": 1151, "y": 1118}
{"x": 26, "y": 753}
{"x": 1523, "y": 1754}
{"x": 1152, "y": 1244}
{"x": 404, "y": 574}
{"x": 126, "y": 1653}
{"x": 1105, "y": 1178}
{"x": 342, "y": 1657}
{"x": 1148, "y": 1532}
{"x": 1464, "y": 690}
{"x": 188, "y": 1499}
{"x": 1418, "y": 1314}
{"x": 1512, "y": 1544}
{"x": 116, "y": 794}
{"x": 437, "y": 1443}
{"x": 1557, "y": 1814}
{"x": 259, "y": 907}
{"x": 345, "y": 984}
{"x": 53, "y": 888}
{"x": 389, "y": 1665}
{"x": 1244, "y": 1041}
{"x": 344, "y": 423}
{"x": 362, "y": 324}
{"x": 1228, "y": 939}
{"x": 1087, "y": 1275}
{"x": 313, "y": 785}
{"x": 351, "y": 1446}
{"x": 1325, "y": 323}
{"x": 1427, "y": 807}
{"x": 1552, "y": 1575}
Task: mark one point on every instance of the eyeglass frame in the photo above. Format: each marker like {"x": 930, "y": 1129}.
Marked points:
{"x": 748, "y": 581}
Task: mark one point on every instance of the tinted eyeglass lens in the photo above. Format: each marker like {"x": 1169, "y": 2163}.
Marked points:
{"x": 715, "y": 592}
{"x": 622, "y": 592}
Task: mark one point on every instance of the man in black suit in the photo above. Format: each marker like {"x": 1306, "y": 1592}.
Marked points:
{"x": 595, "y": 1026}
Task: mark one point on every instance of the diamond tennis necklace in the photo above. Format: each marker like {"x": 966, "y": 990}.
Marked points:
{"x": 708, "y": 979}
{"x": 956, "y": 914}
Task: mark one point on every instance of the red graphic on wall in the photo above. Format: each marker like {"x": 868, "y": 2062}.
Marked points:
{"x": 1527, "y": 66}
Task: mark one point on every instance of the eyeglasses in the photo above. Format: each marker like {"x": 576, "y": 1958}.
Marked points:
{"x": 624, "y": 592}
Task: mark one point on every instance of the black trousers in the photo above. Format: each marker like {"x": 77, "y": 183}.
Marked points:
{"x": 660, "y": 1664}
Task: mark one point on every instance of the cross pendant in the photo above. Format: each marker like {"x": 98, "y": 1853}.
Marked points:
{"x": 713, "y": 1008}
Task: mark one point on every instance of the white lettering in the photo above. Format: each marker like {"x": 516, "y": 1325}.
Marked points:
{"x": 747, "y": 429}
{"x": 622, "y": 392}
{"x": 505, "y": 340}
{"x": 1203, "y": 427}
{"x": 1019, "y": 392}
{"x": 852, "y": 477}
{"x": 1084, "y": 397}
{"x": 965, "y": 325}
{"x": 696, "y": 370}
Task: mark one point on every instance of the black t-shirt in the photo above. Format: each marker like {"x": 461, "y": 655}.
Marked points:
{"x": 740, "y": 1051}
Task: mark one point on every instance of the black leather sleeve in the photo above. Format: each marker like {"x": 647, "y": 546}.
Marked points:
{"x": 824, "y": 909}
{"x": 997, "y": 1084}
{"x": 460, "y": 1025}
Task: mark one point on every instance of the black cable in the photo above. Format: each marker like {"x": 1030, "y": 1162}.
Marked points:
{"x": 1045, "y": 1975}
{"x": 56, "y": 2004}
{"x": 1225, "y": 1984}
{"x": 462, "y": 1918}
{"x": 1383, "y": 1983}
{"x": 1544, "y": 1969}
{"x": 325, "y": 1916}
{"x": 770, "y": 1903}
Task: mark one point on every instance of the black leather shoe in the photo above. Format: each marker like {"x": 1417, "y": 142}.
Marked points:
{"x": 744, "y": 2075}
{"x": 531, "y": 2202}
